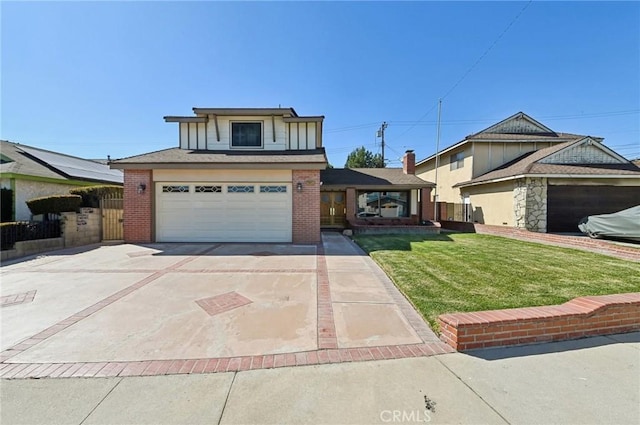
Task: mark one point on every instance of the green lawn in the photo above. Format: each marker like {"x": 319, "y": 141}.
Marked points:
{"x": 469, "y": 272}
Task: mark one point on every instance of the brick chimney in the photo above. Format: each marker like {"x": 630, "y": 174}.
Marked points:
{"x": 409, "y": 162}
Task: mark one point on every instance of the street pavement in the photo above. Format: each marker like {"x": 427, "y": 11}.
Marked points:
{"x": 589, "y": 381}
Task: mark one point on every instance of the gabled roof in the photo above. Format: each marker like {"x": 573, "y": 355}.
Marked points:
{"x": 226, "y": 159}
{"x": 584, "y": 158}
{"x": 517, "y": 128}
{"x": 519, "y": 123}
{"x": 371, "y": 178}
{"x": 29, "y": 161}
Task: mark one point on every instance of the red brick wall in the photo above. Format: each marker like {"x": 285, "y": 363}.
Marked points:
{"x": 409, "y": 163}
{"x": 306, "y": 206}
{"x": 427, "y": 204}
{"x": 137, "y": 206}
{"x": 580, "y": 317}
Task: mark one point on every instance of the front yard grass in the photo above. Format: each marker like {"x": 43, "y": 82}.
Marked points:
{"x": 450, "y": 273}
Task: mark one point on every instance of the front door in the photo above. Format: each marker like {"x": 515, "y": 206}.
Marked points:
{"x": 333, "y": 209}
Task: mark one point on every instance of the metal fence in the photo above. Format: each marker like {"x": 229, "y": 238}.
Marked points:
{"x": 13, "y": 232}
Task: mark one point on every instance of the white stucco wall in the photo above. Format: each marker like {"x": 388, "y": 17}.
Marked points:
{"x": 26, "y": 189}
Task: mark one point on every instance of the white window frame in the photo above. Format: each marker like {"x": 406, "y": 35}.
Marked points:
{"x": 232, "y": 146}
{"x": 456, "y": 161}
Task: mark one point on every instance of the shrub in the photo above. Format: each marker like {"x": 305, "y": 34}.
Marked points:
{"x": 91, "y": 195}
{"x": 18, "y": 231}
{"x": 55, "y": 204}
{"x": 6, "y": 205}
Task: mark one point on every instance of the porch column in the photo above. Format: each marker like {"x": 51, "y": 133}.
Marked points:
{"x": 351, "y": 204}
{"x": 426, "y": 206}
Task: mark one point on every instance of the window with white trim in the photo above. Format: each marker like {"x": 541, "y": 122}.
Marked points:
{"x": 246, "y": 134}
{"x": 456, "y": 161}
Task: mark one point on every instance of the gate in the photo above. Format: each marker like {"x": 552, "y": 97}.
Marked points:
{"x": 112, "y": 218}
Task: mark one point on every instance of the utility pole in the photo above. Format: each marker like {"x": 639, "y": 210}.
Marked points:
{"x": 435, "y": 193}
{"x": 381, "y": 134}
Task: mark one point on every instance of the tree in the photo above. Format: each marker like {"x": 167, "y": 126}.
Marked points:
{"x": 363, "y": 158}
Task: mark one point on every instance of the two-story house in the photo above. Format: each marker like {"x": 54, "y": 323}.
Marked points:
{"x": 238, "y": 175}
{"x": 259, "y": 175}
{"x": 520, "y": 173}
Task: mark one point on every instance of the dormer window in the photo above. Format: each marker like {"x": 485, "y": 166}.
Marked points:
{"x": 246, "y": 134}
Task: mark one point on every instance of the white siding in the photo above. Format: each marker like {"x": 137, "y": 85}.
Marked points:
{"x": 184, "y": 135}
{"x": 193, "y": 135}
{"x": 311, "y": 135}
{"x": 224, "y": 127}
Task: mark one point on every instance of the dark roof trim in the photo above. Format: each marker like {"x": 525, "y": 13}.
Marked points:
{"x": 304, "y": 119}
{"x": 287, "y": 112}
{"x": 221, "y": 166}
{"x": 553, "y": 176}
{"x": 387, "y": 187}
{"x": 185, "y": 119}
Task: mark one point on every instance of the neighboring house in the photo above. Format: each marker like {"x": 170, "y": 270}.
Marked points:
{"x": 31, "y": 173}
{"x": 370, "y": 195}
{"x": 238, "y": 175}
{"x": 521, "y": 173}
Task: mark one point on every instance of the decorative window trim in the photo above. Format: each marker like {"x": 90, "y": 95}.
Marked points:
{"x": 175, "y": 188}
{"x": 208, "y": 189}
{"x": 273, "y": 188}
{"x": 232, "y": 123}
{"x": 240, "y": 188}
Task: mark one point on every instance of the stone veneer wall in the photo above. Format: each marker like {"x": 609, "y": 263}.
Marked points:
{"x": 530, "y": 204}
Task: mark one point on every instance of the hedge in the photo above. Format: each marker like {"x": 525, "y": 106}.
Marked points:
{"x": 91, "y": 195}
{"x": 18, "y": 231}
{"x": 55, "y": 204}
{"x": 6, "y": 205}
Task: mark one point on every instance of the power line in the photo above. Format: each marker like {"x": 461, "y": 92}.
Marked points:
{"x": 486, "y": 52}
{"x": 400, "y": 123}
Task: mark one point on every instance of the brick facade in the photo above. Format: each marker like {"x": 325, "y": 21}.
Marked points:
{"x": 138, "y": 214}
{"x": 306, "y": 206}
{"x": 409, "y": 163}
{"x": 578, "y": 318}
{"x": 426, "y": 206}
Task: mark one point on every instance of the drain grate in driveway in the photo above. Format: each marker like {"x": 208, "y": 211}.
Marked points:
{"x": 262, "y": 253}
{"x": 223, "y": 302}
{"x": 25, "y": 297}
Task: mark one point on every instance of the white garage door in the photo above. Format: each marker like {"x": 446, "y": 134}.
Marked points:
{"x": 223, "y": 212}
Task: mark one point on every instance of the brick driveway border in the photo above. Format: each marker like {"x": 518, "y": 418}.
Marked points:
{"x": 327, "y": 352}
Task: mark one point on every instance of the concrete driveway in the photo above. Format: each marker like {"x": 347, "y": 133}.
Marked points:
{"x": 159, "y": 309}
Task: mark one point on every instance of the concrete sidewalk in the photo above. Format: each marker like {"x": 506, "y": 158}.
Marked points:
{"x": 588, "y": 381}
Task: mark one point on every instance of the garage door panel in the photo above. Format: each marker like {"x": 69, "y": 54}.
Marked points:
{"x": 224, "y": 216}
{"x": 566, "y": 205}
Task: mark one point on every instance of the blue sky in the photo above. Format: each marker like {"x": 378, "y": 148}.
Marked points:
{"x": 95, "y": 78}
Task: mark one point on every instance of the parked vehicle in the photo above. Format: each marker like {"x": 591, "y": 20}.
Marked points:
{"x": 623, "y": 224}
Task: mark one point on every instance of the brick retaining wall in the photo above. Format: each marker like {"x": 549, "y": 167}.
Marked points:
{"x": 580, "y": 317}
{"x": 585, "y": 243}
